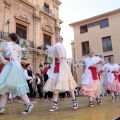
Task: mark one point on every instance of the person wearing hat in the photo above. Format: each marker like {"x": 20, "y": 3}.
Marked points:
{"x": 38, "y": 86}
{"x": 29, "y": 77}
{"x": 48, "y": 95}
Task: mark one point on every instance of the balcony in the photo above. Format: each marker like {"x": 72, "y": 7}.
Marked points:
{"x": 46, "y": 9}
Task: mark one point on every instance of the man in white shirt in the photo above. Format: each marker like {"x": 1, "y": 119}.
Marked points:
{"x": 29, "y": 77}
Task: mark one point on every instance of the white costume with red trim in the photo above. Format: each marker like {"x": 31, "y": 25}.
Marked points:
{"x": 60, "y": 77}
{"x": 111, "y": 82}
{"x": 90, "y": 79}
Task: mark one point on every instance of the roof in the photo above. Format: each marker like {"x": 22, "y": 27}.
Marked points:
{"x": 95, "y": 17}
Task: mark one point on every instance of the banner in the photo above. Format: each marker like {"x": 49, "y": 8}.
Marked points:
{"x": 24, "y": 44}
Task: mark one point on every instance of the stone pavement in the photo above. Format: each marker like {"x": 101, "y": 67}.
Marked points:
{"x": 107, "y": 111}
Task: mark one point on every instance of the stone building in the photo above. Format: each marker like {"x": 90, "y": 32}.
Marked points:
{"x": 35, "y": 21}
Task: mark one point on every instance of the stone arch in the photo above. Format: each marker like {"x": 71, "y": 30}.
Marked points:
{"x": 22, "y": 17}
{"x": 47, "y": 28}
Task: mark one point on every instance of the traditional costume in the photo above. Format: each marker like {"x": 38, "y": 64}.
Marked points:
{"x": 38, "y": 87}
{"x": 47, "y": 95}
{"x": 90, "y": 80}
{"x": 60, "y": 77}
{"x": 29, "y": 77}
{"x": 112, "y": 82}
{"x": 12, "y": 79}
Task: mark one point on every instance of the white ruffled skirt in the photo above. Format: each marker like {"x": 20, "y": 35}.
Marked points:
{"x": 60, "y": 82}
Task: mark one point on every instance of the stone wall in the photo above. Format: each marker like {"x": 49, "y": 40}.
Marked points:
{"x": 37, "y": 21}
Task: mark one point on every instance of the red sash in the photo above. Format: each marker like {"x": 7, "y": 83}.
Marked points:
{"x": 119, "y": 78}
{"x": 99, "y": 74}
{"x": 57, "y": 64}
{"x": 2, "y": 65}
{"x": 115, "y": 74}
{"x": 45, "y": 70}
{"x": 38, "y": 84}
{"x": 94, "y": 72}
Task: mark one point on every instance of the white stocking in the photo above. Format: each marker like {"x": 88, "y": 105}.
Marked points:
{"x": 55, "y": 97}
{"x": 98, "y": 95}
{"x": 10, "y": 96}
{"x": 25, "y": 99}
{"x": 90, "y": 99}
{"x": 112, "y": 93}
{"x": 72, "y": 95}
{"x": 3, "y": 99}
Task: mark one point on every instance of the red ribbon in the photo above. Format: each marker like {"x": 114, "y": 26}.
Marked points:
{"x": 45, "y": 70}
{"x": 57, "y": 65}
{"x": 119, "y": 78}
{"x": 94, "y": 72}
{"x": 99, "y": 74}
{"x": 115, "y": 74}
{"x": 38, "y": 84}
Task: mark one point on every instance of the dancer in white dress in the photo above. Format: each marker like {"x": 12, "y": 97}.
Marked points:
{"x": 112, "y": 82}
{"x": 90, "y": 85}
{"x": 60, "y": 77}
{"x": 12, "y": 79}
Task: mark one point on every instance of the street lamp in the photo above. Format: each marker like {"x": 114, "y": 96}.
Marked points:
{"x": 8, "y": 23}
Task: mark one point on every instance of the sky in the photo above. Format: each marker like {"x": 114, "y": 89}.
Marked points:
{"x": 71, "y": 11}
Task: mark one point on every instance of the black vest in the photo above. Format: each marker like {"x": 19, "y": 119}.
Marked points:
{"x": 36, "y": 80}
{"x": 45, "y": 77}
{"x": 29, "y": 73}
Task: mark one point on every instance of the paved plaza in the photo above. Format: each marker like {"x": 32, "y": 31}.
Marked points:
{"x": 107, "y": 111}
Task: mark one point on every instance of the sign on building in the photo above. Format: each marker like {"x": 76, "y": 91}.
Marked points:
{"x": 24, "y": 44}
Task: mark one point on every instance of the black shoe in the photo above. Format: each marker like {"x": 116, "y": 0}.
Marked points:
{"x": 54, "y": 107}
{"x": 90, "y": 104}
{"x": 28, "y": 110}
{"x": 99, "y": 102}
{"x": 118, "y": 118}
{"x": 75, "y": 104}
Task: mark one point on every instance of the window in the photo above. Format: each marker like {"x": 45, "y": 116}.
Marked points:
{"x": 85, "y": 47}
{"x": 83, "y": 29}
{"x": 107, "y": 44}
{"x": 90, "y": 25}
{"x": 107, "y": 57}
{"x": 21, "y": 31}
{"x": 104, "y": 23}
{"x": 93, "y": 24}
{"x": 46, "y": 7}
{"x": 47, "y": 39}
